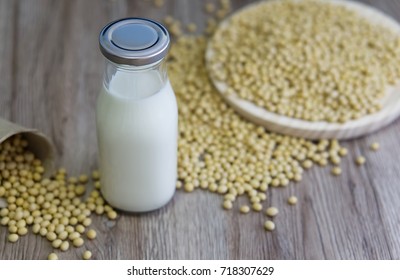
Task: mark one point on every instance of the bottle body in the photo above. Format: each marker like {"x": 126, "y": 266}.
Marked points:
{"x": 137, "y": 130}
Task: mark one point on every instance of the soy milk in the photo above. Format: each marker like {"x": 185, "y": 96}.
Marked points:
{"x": 136, "y": 117}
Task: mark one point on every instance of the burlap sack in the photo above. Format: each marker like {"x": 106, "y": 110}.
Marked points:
{"x": 39, "y": 144}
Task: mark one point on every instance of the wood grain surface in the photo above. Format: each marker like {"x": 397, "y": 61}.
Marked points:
{"x": 50, "y": 75}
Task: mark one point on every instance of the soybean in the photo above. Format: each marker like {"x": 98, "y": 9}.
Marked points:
{"x": 272, "y": 211}
{"x": 52, "y": 256}
{"x": 87, "y": 255}
{"x": 91, "y": 234}
{"x": 269, "y": 225}
{"x": 292, "y": 200}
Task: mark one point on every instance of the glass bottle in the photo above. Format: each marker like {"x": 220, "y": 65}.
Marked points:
{"x": 136, "y": 117}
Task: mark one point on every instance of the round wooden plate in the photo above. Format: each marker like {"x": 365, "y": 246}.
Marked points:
{"x": 318, "y": 130}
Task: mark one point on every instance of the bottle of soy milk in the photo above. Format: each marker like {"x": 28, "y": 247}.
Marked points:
{"x": 136, "y": 117}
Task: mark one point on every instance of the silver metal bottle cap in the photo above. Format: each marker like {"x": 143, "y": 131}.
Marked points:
{"x": 134, "y": 41}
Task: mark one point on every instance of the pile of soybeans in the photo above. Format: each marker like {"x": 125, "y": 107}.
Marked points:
{"x": 311, "y": 59}
{"x": 221, "y": 152}
{"x": 52, "y": 207}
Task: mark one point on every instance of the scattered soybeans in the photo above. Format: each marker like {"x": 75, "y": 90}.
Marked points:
{"x": 53, "y": 207}
{"x": 236, "y": 158}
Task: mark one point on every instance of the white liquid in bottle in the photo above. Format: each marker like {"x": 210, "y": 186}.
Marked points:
{"x": 137, "y": 124}
{"x": 137, "y": 142}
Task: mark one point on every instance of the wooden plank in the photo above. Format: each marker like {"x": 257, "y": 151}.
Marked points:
{"x": 51, "y": 72}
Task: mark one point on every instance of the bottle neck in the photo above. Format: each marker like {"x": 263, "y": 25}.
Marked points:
{"x": 135, "y": 82}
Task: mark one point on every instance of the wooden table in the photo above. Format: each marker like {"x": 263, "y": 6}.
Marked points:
{"x": 51, "y": 72}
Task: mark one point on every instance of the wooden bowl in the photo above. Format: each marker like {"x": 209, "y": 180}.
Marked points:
{"x": 317, "y": 130}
